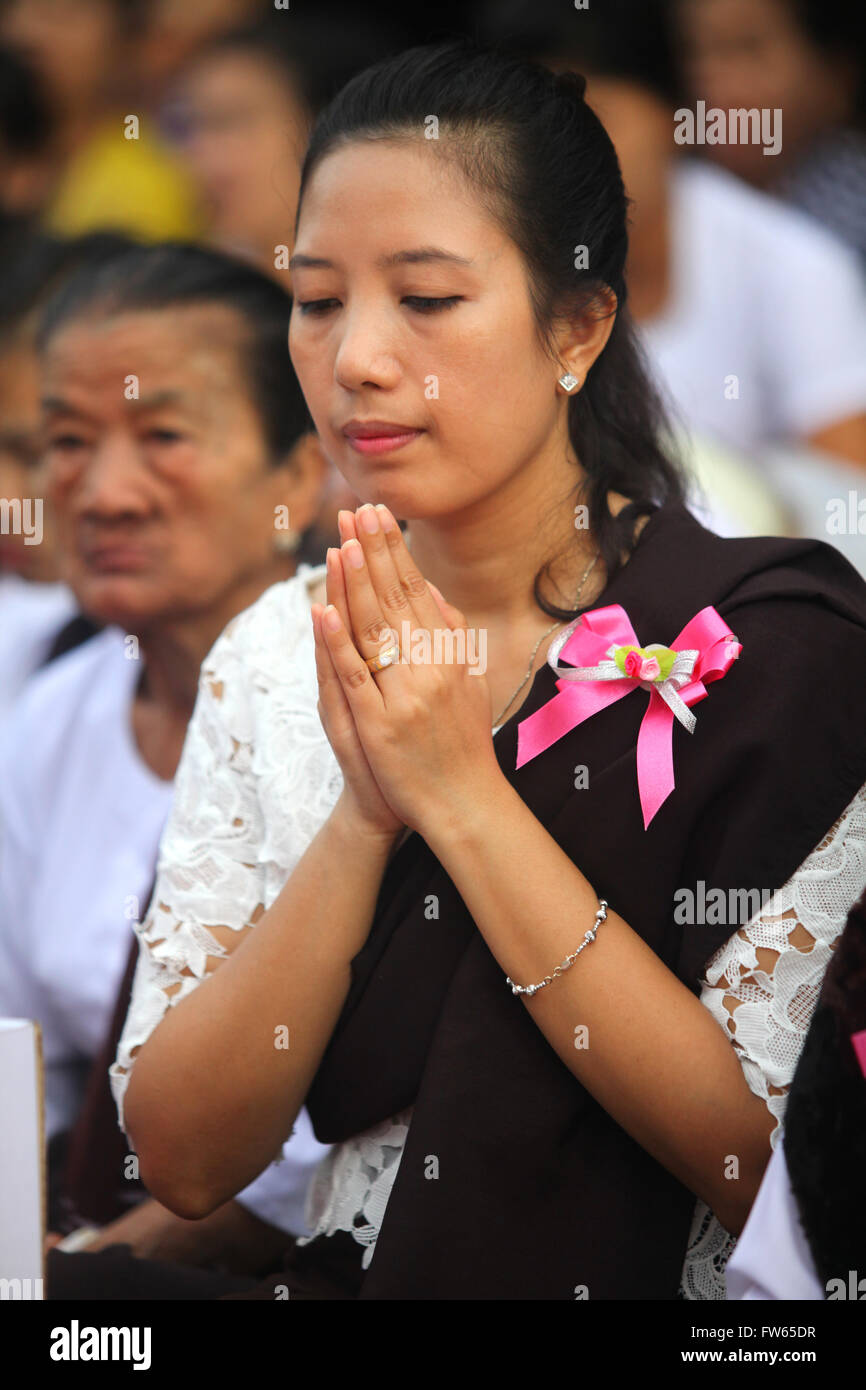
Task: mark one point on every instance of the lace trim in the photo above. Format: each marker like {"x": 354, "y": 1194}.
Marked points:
{"x": 351, "y": 1186}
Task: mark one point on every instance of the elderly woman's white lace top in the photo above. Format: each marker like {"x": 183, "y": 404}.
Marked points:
{"x": 256, "y": 781}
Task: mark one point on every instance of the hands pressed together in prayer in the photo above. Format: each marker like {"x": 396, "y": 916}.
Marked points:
{"x": 415, "y": 745}
{"x": 413, "y": 740}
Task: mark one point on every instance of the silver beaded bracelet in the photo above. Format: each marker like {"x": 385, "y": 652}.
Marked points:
{"x": 569, "y": 960}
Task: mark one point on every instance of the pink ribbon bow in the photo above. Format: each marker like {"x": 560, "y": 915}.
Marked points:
{"x": 706, "y": 648}
{"x": 858, "y": 1042}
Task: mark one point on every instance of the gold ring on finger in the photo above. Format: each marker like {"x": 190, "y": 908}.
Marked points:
{"x": 385, "y": 658}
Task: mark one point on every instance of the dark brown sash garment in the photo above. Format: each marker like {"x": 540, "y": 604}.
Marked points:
{"x": 539, "y": 1193}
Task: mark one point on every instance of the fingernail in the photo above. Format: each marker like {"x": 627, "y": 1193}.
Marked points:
{"x": 386, "y": 520}
{"x": 354, "y": 554}
{"x": 331, "y": 618}
{"x": 368, "y": 518}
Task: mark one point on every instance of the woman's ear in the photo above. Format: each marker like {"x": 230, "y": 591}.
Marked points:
{"x": 580, "y": 341}
{"x": 301, "y": 481}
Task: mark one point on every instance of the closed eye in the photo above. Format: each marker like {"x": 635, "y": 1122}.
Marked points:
{"x": 164, "y": 436}
{"x": 423, "y": 305}
{"x": 66, "y": 442}
{"x": 316, "y": 306}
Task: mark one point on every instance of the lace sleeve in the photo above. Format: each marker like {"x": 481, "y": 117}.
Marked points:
{"x": 762, "y": 986}
{"x": 208, "y": 890}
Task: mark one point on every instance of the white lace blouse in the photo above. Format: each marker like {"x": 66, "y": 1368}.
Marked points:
{"x": 256, "y": 781}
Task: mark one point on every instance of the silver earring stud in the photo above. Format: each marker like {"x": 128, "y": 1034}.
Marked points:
{"x": 568, "y": 382}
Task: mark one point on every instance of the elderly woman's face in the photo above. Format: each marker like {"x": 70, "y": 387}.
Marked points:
{"x": 156, "y": 463}
{"x": 412, "y": 332}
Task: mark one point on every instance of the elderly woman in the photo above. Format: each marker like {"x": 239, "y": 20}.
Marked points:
{"x": 494, "y": 929}
{"x": 183, "y": 470}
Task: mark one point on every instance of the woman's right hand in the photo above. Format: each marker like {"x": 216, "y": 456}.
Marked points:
{"x": 361, "y": 803}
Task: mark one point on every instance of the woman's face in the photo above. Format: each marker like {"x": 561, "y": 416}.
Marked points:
{"x": 246, "y": 131}
{"x": 21, "y": 476}
{"x": 412, "y": 311}
{"x": 72, "y": 47}
{"x": 157, "y": 464}
{"x": 752, "y": 53}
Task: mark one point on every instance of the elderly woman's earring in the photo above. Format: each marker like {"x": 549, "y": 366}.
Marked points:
{"x": 568, "y": 382}
{"x": 286, "y": 542}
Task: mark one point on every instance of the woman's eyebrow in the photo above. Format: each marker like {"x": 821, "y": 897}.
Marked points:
{"x": 416, "y": 256}
{"x": 421, "y": 254}
{"x": 56, "y": 405}
{"x": 157, "y": 399}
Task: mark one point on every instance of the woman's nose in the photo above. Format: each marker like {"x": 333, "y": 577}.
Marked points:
{"x": 366, "y": 355}
{"x": 111, "y": 480}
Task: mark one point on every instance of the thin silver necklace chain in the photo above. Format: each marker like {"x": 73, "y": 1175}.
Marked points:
{"x": 557, "y": 624}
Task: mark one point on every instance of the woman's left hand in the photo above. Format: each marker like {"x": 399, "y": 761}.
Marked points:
{"x": 423, "y": 722}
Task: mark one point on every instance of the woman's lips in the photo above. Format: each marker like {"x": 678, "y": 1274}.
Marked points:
{"x": 116, "y": 559}
{"x": 381, "y": 443}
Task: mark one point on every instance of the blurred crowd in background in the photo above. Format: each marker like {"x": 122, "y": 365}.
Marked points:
{"x": 149, "y": 158}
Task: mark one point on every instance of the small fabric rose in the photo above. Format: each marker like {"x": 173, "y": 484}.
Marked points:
{"x": 634, "y": 663}
{"x": 649, "y": 669}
